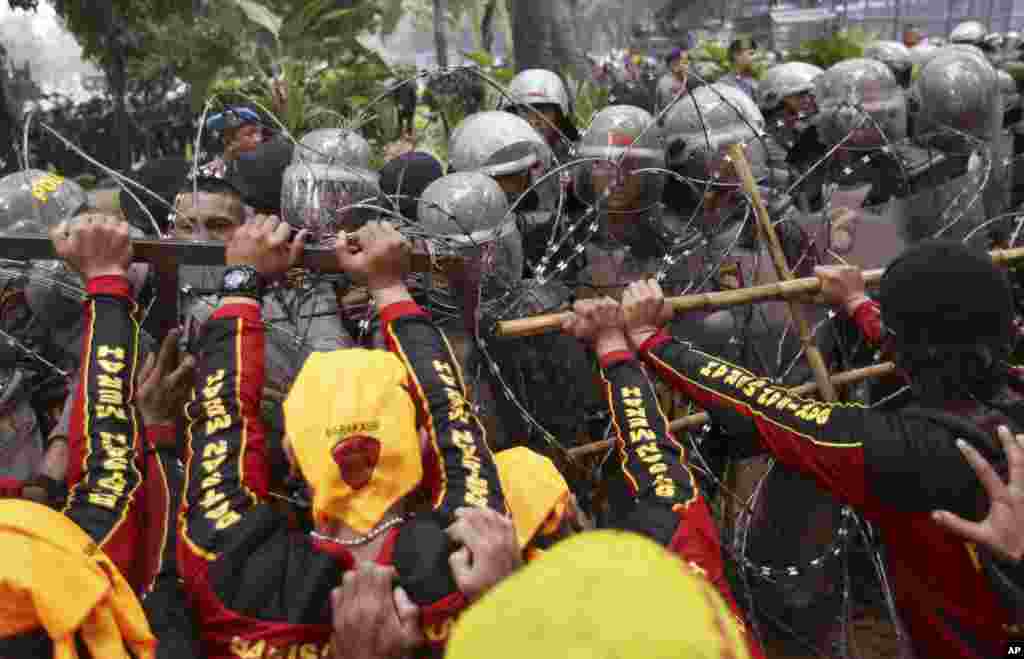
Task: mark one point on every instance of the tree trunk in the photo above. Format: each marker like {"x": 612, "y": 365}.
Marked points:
{"x": 487, "y": 26}
{"x": 440, "y": 39}
{"x": 122, "y": 124}
{"x": 543, "y": 35}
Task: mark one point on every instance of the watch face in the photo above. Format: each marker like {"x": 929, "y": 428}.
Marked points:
{"x": 235, "y": 279}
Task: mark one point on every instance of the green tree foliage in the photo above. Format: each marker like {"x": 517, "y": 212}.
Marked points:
{"x": 842, "y": 45}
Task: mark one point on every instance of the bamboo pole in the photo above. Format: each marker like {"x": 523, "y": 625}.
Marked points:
{"x": 777, "y": 290}
{"x": 700, "y": 418}
{"x": 811, "y": 351}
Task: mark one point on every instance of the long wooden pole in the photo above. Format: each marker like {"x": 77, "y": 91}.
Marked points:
{"x": 811, "y": 351}
{"x": 779, "y": 290}
{"x": 700, "y": 418}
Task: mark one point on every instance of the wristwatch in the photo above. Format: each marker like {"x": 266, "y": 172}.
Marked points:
{"x": 242, "y": 281}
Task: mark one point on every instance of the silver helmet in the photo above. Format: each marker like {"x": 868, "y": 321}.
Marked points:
{"x": 972, "y": 32}
{"x": 497, "y": 143}
{"x": 785, "y": 80}
{"x": 34, "y": 201}
{"x": 960, "y": 90}
{"x": 468, "y": 213}
{"x": 319, "y": 198}
{"x": 330, "y": 172}
{"x": 921, "y": 59}
{"x": 333, "y": 145}
{"x": 699, "y": 129}
{"x": 538, "y": 87}
{"x": 891, "y": 53}
{"x": 922, "y": 53}
{"x": 625, "y": 139}
{"x": 861, "y": 105}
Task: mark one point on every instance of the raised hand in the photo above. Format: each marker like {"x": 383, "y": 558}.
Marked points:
{"x": 376, "y": 254}
{"x": 164, "y": 382}
{"x": 1002, "y": 531}
{"x": 263, "y": 244}
{"x": 95, "y": 245}
{"x": 841, "y": 285}
{"x": 644, "y": 310}
{"x": 599, "y": 322}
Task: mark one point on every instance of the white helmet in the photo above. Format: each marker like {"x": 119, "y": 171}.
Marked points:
{"x": 534, "y": 87}
{"x": 330, "y": 146}
{"x": 625, "y": 136}
{"x": 538, "y": 87}
{"x": 330, "y": 172}
{"x": 497, "y": 143}
{"x": 852, "y": 89}
{"x": 470, "y": 211}
{"x": 959, "y": 89}
{"x": 972, "y": 32}
{"x": 891, "y": 53}
{"x": 704, "y": 124}
{"x": 785, "y": 80}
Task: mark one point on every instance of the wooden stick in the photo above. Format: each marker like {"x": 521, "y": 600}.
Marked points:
{"x": 700, "y": 418}
{"x": 778, "y": 290}
{"x": 811, "y": 351}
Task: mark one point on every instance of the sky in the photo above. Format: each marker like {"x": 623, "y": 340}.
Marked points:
{"x": 40, "y": 38}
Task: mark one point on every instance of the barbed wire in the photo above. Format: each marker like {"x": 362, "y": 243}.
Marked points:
{"x": 499, "y": 294}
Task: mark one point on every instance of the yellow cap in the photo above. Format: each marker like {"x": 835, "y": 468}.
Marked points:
{"x": 534, "y": 489}
{"x": 54, "y": 578}
{"x": 352, "y": 426}
{"x": 601, "y": 594}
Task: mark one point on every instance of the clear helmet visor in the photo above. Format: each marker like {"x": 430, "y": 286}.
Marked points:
{"x": 34, "y": 201}
{"x": 323, "y": 199}
{"x": 620, "y": 143}
{"x": 959, "y": 92}
{"x": 860, "y": 105}
{"x": 466, "y": 213}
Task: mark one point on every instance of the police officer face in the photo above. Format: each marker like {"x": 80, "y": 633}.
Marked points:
{"x": 207, "y": 216}
{"x": 514, "y": 184}
{"x": 543, "y": 119}
{"x": 627, "y": 188}
{"x": 797, "y": 106}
